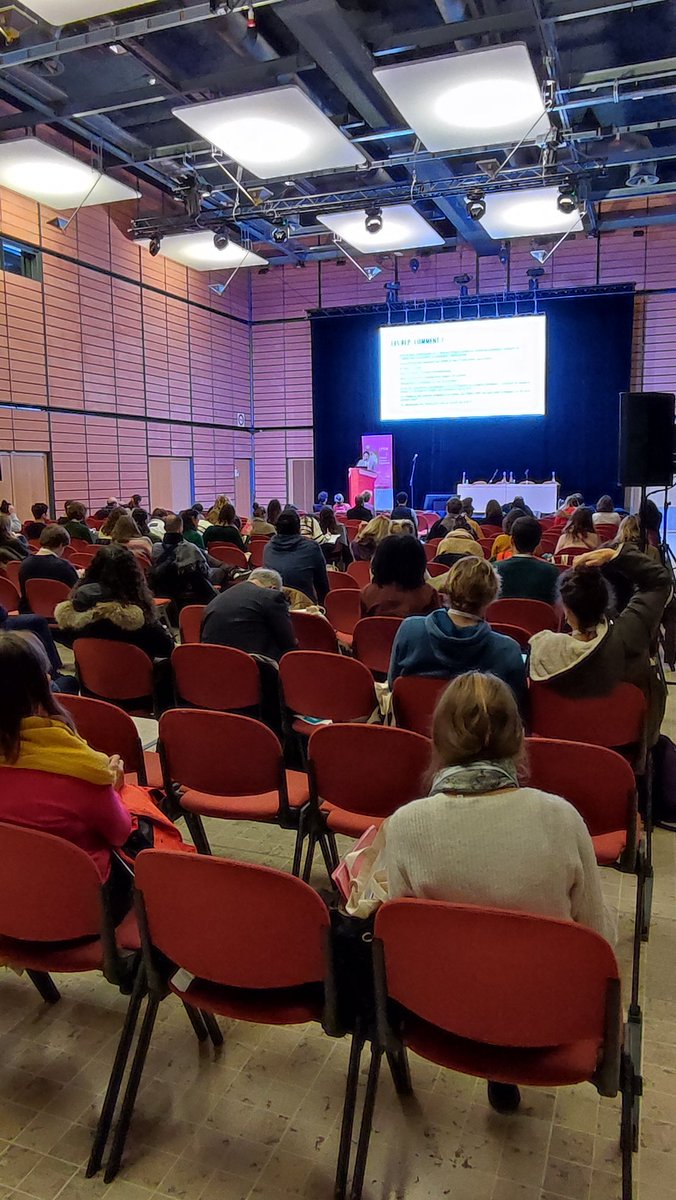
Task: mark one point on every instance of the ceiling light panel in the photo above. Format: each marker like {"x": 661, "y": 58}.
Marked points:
{"x": 273, "y": 133}
{"x": 528, "y": 213}
{"x": 43, "y": 173}
{"x": 483, "y": 98}
{"x": 197, "y": 250}
{"x": 64, "y": 12}
{"x": 403, "y": 229}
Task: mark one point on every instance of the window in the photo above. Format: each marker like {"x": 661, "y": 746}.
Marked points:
{"x": 21, "y": 260}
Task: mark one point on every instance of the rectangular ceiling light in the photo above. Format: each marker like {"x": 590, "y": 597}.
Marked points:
{"x": 64, "y": 12}
{"x": 43, "y": 173}
{"x": 197, "y": 250}
{"x": 273, "y": 133}
{"x": 528, "y": 213}
{"x": 483, "y": 98}
{"x": 403, "y": 229}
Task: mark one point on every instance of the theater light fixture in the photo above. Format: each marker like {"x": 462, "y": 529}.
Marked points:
{"x": 459, "y": 101}
{"x": 221, "y": 240}
{"x": 34, "y": 169}
{"x": 527, "y": 213}
{"x": 475, "y": 203}
{"x": 567, "y": 198}
{"x": 197, "y": 250}
{"x": 64, "y": 12}
{"x": 154, "y": 246}
{"x": 373, "y": 221}
{"x": 402, "y": 228}
{"x": 280, "y": 233}
{"x": 280, "y": 132}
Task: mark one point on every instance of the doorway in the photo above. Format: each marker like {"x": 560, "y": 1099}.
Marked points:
{"x": 301, "y": 482}
{"x": 25, "y": 481}
{"x": 171, "y": 483}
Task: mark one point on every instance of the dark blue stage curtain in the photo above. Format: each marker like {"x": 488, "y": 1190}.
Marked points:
{"x": 588, "y": 363}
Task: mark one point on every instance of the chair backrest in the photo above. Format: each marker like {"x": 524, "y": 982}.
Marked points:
{"x": 256, "y": 551}
{"x": 532, "y": 615}
{"x": 430, "y": 549}
{"x": 368, "y": 769}
{"x": 49, "y": 888}
{"x": 190, "y": 623}
{"x": 44, "y": 594}
{"x": 343, "y": 609}
{"x": 414, "y": 699}
{"x": 223, "y": 754}
{"x": 12, "y": 571}
{"x": 567, "y": 557}
{"x": 598, "y": 782}
{"x": 447, "y": 963}
{"x": 215, "y": 677}
{"x": 434, "y": 543}
{"x": 522, "y": 636}
{"x": 341, "y": 579}
{"x": 606, "y": 532}
{"x": 614, "y": 720}
{"x": 435, "y": 569}
{"x": 81, "y": 561}
{"x": 82, "y": 547}
{"x": 314, "y": 632}
{"x": 270, "y": 928}
{"x": 326, "y": 686}
{"x": 108, "y": 729}
{"x": 372, "y": 642}
{"x": 490, "y": 532}
{"x": 9, "y": 595}
{"x": 232, "y": 555}
{"x": 361, "y": 571}
{"x": 113, "y": 670}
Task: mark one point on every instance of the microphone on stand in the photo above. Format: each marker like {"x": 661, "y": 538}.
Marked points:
{"x": 526, "y": 472}
{"x": 492, "y": 478}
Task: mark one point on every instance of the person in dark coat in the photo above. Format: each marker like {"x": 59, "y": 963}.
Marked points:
{"x": 48, "y": 563}
{"x": 299, "y": 561}
{"x": 251, "y": 616}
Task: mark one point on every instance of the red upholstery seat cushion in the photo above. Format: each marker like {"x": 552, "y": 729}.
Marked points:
{"x": 608, "y": 847}
{"x": 263, "y": 807}
{"x": 269, "y": 1006}
{"x": 339, "y": 820}
{"x": 57, "y": 956}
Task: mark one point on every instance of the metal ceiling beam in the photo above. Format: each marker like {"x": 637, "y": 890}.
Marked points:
{"x": 656, "y": 69}
{"x": 445, "y": 35}
{"x": 577, "y": 10}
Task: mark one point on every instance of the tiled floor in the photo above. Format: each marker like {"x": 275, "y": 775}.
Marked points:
{"x": 260, "y": 1118}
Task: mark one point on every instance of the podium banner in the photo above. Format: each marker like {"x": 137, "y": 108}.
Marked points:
{"x": 377, "y": 449}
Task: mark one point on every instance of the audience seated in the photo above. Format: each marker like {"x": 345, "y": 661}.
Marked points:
{"x": 445, "y": 524}
{"x": 398, "y": 587}
{"x": 135, "y": 501}
{"x": 260, "y": 527}
{"x": 605, "y": 512}
{"x": 504, "y": 540}
{"x": 518, "y": 502}
{"x": 224, "y": 529}
{"x": 106, "y": 531}
{"x": 32, "y": 529}
{"x": 191, "y": 531}
{"x": 273, "y": 511}
{"x": 74, "y": 521}
{"x": 602, "y": 653}
{"x": 333, "y": 539}
{"x": 493, "y": 515}
{"x": 339, "y": 505}
{"x": 567, "y": 509}
{"x": 468, "y": 513}
{"x": 578, "y": 532}
{"x": 650, "y": 514}
{"x": 299, "y": 561}
{"x": 126, "y": 533}
{"x": 37, "y": 629}
{"x": 452, "y": 641}
{"x": 457, "y": 542}
{"x": 402, "y": 510}
{"x": 309, "y": 525}
{"x": 12, "y": 547}
{"x": 112, "y": 601}
{"x": 104, "y": 512}
{"x": 156, "y": 525}
{"x": 140, "y": 518}
{"x": 8, "y": 510}
{"x": 523, "y": 575}
{"x": 359, "y": 512}
{"x": 252, "y": 616}
{"x": 403, "y": 527}
{"x": 364, "y": 545}
{"x": 215, "y": 511}
{"x": 322, "y": 501}
{"x": 48, "y": 562}
{"x": 180, "y": 570}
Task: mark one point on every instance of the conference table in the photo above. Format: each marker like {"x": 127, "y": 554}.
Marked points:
{"x": 541, "y": 497}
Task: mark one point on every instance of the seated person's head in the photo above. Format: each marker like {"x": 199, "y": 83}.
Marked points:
{"x": 323, "y": 497}
{"x": 519, "y": 502}
{"x": 258, "y": 512}
{"x": 476, "y": 720}
{"x": 327, "y": 520}
{"x": 274, "y": 509}
{"x": 289, "y": 522}
{"x": 467, "y": 506}
{"x": 493, "y": 513}
{"x": 39, "y": 511}
{"x": 399, "y": 560}
{"x": 454, "y": 506}
{"x": 55, "y": 538}
{"x": 471, "y": 585}
{"x": 513, "y": 515}
{"x": 263, "y": 577}
{"x": 359, "y": 500}
{"x": 526, "y": 535}
{"x": 402, "y": 498}
{"x": 629, "y": 530}
{"x": 366, "y": 498}
{"x": 198, "y": 508}
{"x": 24, "y": 690}
{"x": 76, "y": 511}
{"x": 227, "y": 514}
{"x": 580, "y": 524}
{"x": 125, "y": 529}
{"x": 339, "y": 498}
{"x": 189, "y": 518}
{"x": 174, "y": 524}
{"x": 403, "y": 526}
{"x": 116, "y": 575}
{"x": 158, "y": 514}
{"x": 111, "y": 521}
{"x": 375, "y": 530}
{"x": 605, "y": 505}
{"x": 6, "y": 527}
{"x": 585, "y": 596}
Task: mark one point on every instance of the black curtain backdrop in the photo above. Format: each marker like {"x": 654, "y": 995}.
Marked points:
{"x": 588, "y": 363}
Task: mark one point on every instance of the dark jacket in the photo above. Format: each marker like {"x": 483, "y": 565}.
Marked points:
{"x": 402, "y": 512}
{"x": 180, "y": 572}
{"x": 393, "y": 601}
{"x": 300, "y": 563}
{"x": 359, "y": 513}
{"x": 45, "y": 566}
{"x": 78, "y": 529}
{"x": 528, "y": 578}
{"x": 13, "y": 550}
{"x": 91, "y": 612}
{"x": 251, "y": 618}
{"x": 223, "y": 533}
{"x": 433, "y": 645}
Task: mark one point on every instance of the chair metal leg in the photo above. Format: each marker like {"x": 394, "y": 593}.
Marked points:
{"x": 333, "y": 846}
{"x": 212, "y": 1027}
{"x": 632, "y": 1087}
{"x": 400, "y": 1070}
{"x": 197, "y": 832}
{"x": 195, "y": 1018}
{"x": 300, "y": 838}
{"x": 325, "y": 848}
{"x": 634, "y": 1003}
{"x": 646, "y": 914}
{"x": 45, "y": 985}
{"x": 116, "y": 1076}
{"x": 309, "y": 857}
{"x": 131, "y": 1092}
{"x": 366, "y": 1124}
{"x": 349, "y": 1109}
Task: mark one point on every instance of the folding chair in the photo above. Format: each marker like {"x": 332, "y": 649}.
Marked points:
{"x": 372, "y": 641}
{"x": 10, "y": 599}
{"x": 43, "y": 595}
{"x": 225, "y": 553}
{"x": 112, "y": 731}
{"x": 117, "y": 672}
{"x": 314, "y": 632}
{"x": 265, "y": 959}
{"x": 190, "y": 623}
{"x": 325, "y": 687}
{"x": 11, "y": 571}
{"x": 345, "y": 799}
{"x": 361, "y": 571}
{"x": 256, "y": 551}
{"x": 438, "y": 968}
{"x": 215, "y": 677}
{"x": 341, "y": 579}
{"x": 414, "y": 699}
{"x": 531, "y": 615}
{"x": 343, "y": 609}
{"x": 522, "y": 636}
{"x": 227, "y": 766}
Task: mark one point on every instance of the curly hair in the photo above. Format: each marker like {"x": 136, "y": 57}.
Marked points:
{"x": 116, "y": 569}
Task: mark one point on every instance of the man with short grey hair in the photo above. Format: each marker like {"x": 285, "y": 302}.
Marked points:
{"x": 251, "y": 616}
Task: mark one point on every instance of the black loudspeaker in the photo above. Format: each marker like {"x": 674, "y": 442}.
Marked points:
{"x": 646, "y": 439}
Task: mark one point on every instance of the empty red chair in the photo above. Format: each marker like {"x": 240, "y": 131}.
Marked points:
{"x": 43, "y": 595}
{"x": 256, "y": 551}
{"x": 116, "y": 671}
{"x": 11, "y": 570}
{"x": 531, "y": 615}
{"x": 314, "y": 632}
{"x": 414, "y": 699}
{"x": 190, "y": 623}
{"x": 325, "y": 687}
{"x": 361, "y": 571}
{"x": 522, "y": 636}
{"x": 341, "y": 579}
{"x": 82, "y": 547}
{"x": 435, "y": 569}
{"x": 614, "y": 720}
{"x": 112, "y": 731}
{"x": 9, "y": 596}
{"x": 430, "y": 549}
{"x": 343, "y": 610}
{"x": 215, "y": 677}
{"x": 372, "y": 642}
{"x": 231, "y": 555}
{"x": 606, "y": 532}
{"x": 229, "y": 767}
{"x": 438, "y": 969}
{"x": 81, "y": 561}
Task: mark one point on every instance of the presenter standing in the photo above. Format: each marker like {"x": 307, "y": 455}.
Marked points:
{"x": 368, "y": 460}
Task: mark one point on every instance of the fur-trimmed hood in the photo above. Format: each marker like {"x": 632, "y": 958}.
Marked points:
{"x": 553, "y": 654}
{"x": 126, "y": 616}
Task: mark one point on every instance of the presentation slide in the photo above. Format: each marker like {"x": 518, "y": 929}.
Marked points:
{"x": 493, "y": 367}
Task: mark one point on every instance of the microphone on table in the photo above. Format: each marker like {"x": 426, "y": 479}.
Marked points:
{"x": 492, "y": 478}
{"x": 526, "y": 472}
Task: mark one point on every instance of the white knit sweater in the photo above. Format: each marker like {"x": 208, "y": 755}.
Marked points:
{"x": 519, "y": 848}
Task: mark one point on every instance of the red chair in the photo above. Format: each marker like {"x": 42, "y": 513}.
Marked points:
{"x": 347, "y": 799}
{"x": 117, "y": 672}
{"x": 343, "y": 609}
{"x": 490, "y": 532}
{"x": 435, "y": 569}
{"x": 82, "y": 547}
{"x": 215, "y": 677}
{"x": 190, "y": 623}
{"x": 263, "y": 959}
{"x": 438, "y": 969}
{"x": 372, "y": 642}
{"x": 325, "y": 687}
{"x": 232, "y": 556}
{"x": 112, "y": 731}
{"x": 314, "y": 632}
{"x": 10, "y": 599}
{"x": 256, "y": 551}
{"x": 518, "y": 634}
{"x": 606, "y": 532}
{"x": 567, "y": 557}
{"x": 414, "y": 699}
{"x": 82, "y": 561}
{"x": 341, "y": 579}
{"x": 361, "y": 571}
{"x": 531, "y": 615}
{"x": 353, "y": 528}
{"x": 43, "y": 595}
{"x": 229, "y": 767}
{"x": 11, "y": 570}
{"x": 430, "y": 549}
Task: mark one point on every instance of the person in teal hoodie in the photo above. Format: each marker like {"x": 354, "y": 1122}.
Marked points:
{"x": 458, "y": 639}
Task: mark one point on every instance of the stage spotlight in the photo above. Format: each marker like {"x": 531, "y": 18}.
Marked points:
{"x": 221, "y": 240}
{"x": 154, "y": 247}
{"x": 414, "y": 265}
{"x": 374, "y": 219}
{"x": 280, "y": 233}
{"x": 567, "y": 198}
{"x": 503, "y": 253}
{"x": 475, "y": 203}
